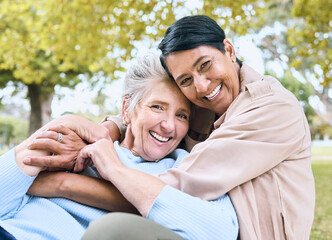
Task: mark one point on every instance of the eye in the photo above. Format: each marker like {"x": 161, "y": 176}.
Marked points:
{"x": 158, "y": 107}
{"x": 183, "y": 116}
{"x": 205, "y": 66}
{"x": 185, "y": 82}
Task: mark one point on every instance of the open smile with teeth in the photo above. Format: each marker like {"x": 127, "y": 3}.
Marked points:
{"x": 158, "y": 137}
{"x": 214, "y": 93}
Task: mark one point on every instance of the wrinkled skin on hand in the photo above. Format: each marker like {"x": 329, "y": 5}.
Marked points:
{"x": 103, "y": 155}
{"x": 77, "y": 132}
{"x": 87, "y": 130}
{"x": 62, "y": 155}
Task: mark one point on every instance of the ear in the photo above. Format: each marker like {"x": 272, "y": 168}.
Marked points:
{"x": 229, "y": 49}
{"x": 125, "y": 105}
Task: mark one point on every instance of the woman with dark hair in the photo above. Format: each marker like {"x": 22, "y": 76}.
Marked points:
{"x": 260, "y": 150}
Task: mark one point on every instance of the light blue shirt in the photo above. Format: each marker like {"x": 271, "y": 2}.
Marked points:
{"x": 31, "y": 217}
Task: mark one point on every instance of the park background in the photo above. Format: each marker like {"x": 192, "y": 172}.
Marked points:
{"x": 69, "y": 56}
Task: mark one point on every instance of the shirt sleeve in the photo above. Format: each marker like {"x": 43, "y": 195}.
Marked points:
{"x": 193, "y": 218}
{"x": 117, "y": 119}
{"x": 14, "y": 185}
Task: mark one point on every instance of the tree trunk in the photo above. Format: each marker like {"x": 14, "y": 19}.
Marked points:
{"x": 34, "y": 95}
{"x": 40, "y": 102}
{"x": 46, "y": 101}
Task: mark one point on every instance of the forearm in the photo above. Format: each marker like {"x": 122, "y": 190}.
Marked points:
{"x": 139, "y": 188}
{"x": 83, "y": 189}
{"x": 95, "y": 192}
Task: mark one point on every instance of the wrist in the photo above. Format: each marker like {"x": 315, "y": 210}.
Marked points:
{"x": 64, "y": 184}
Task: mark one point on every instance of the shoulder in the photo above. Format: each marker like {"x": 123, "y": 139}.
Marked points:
{"x": 259, "y": 91}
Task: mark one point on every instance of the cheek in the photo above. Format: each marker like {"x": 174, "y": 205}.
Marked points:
{"x": 182, "y": 130}
{"x": 189, "y": 92}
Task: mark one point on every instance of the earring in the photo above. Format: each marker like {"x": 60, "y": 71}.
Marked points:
{"x": 124, "y": 122}
{"x": 233, "y": 60}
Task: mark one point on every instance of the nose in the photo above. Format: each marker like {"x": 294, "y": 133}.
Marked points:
{"x": 201, "y": 85}
{"x": 168, "y": 124}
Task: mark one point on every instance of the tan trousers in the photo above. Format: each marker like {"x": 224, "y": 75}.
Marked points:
{"x": 125, "y": 226}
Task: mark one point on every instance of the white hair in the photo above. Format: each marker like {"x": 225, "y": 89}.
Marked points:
{"x": 141, "y": 74}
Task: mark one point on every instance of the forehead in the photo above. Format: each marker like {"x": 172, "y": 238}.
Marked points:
{"x": 186, "y": 59}
{"x": 168, "y": 92}
{"x": 191, "y": 54}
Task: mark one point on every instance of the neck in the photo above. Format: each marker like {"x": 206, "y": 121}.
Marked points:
{"x": 128, "y": 141}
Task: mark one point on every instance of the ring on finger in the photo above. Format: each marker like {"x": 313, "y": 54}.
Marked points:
{"x": 60, "y": 137}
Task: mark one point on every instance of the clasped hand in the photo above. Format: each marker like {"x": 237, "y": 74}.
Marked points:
{"x": 63, "y": 139}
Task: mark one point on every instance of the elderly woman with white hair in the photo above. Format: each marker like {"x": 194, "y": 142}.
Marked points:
{"x": 157, "y": 118}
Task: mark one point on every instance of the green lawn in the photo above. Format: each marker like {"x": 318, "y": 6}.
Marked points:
{"x": 322, "y": 227}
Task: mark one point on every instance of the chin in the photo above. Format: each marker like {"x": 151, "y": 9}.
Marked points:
{"x": 157, "y": 157}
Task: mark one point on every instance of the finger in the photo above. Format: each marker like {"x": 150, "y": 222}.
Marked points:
{"x": 49, "y": 162}
{"x": 82, "y": 164}
{"x": 48, "y": 134}
{"x": 79, "y": 165}
{"x": 60, "y": 129}
{"x": 47, "y": 144}
{"x": 84, "y": 159}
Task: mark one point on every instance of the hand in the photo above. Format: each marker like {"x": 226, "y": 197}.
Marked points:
{"x": 103, "y": 155}
{"x": 87, "y": 130}
{"x": 64, "y": 152}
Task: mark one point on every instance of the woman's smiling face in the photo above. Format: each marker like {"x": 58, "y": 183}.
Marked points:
{"x": 159, "y": 123}
{"x": 206, "y": 76}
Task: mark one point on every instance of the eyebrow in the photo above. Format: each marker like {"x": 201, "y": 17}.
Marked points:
{"x": 193, "y": 66}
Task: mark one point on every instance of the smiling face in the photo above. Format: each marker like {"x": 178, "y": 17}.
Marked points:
{"x": 159, "y": 123}
{"x": 206, "y": 76}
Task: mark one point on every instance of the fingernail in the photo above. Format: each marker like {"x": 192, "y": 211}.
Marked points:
{"x": 27, "y": 160}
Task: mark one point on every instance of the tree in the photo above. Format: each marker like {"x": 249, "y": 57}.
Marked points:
{"x": 54, "y": 42}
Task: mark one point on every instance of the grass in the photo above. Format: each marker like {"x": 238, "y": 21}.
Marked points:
{"x": 322, "y": 169}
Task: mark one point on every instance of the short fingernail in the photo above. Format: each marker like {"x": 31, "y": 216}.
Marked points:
{"x": 27, "y": 160}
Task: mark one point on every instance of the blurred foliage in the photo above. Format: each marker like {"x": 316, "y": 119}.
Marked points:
{"x": 12, "y": 131}
{"x": 55, "y": 42}
{"x": 320, "y": 128}
{"x": 302, "y": 92}
{"x": 311, "y": 36}
{"x": 41, "y": 39}
{"x": 48, "y": 43}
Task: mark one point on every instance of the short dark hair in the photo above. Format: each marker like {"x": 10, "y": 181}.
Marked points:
{"x": 191, "y": 32}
